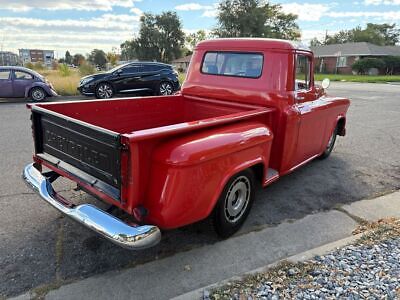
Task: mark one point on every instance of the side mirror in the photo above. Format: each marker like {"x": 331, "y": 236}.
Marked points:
{"x": 118, "y": 72}
{"x": 326, "y": 83}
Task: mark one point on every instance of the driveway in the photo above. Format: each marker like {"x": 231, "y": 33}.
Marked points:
{"x": 38, "y": 246}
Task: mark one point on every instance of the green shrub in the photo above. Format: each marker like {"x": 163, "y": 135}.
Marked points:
{"x": 392, "y": 64}
{"x": 64, "y": 70}
{"x": 29, "y": 65}
{"x": 86, "y": 69}
{"x": 362, "y": 66}
{"x": 38, "y": 66}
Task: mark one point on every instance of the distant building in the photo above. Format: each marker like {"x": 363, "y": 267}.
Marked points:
{"x": 45, "y": 57}
{"x": 182, "y": 64}
{"x": 8, "y": 58}
{"x": 338, "y": 58}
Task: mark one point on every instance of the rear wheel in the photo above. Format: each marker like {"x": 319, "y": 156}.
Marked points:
{"x": 104, "y": 91}
{"x": 165, "y": 88}
{"x": 234, "y": 204}
{"x": 330, "y": 145}
{"x": 37, "y": 94}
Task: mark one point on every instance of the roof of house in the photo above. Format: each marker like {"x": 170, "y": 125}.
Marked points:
{"x": 185, "y": 59}
{"x": 355, "y": 49}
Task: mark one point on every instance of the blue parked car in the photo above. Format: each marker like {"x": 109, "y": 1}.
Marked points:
{"x": 19, "y": 82}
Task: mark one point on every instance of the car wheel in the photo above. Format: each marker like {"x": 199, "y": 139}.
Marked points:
{"x": 37, "y": 94}
{"x": 165, "y": 88}
{"x": 330, "y": 145}
{"x": 104, "y": 91}
{"x": 234, "y": 204}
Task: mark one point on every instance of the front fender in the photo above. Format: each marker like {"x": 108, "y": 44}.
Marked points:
{"x": 189, "y": 173}
{"x": 44, "y": 86}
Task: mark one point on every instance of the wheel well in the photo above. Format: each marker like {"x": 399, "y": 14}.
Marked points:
{"x": 258, "y": 171}
{"x": 37, "y": 87}
{"x": 341, "y": 126}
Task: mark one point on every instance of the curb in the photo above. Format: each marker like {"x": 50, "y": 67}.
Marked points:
{"x": 300, "y": 257}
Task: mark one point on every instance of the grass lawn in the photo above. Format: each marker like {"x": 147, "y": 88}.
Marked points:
{"x": 358, "y": 78}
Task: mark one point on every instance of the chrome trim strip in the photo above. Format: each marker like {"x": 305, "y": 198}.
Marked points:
{"x": 134, "y": 90}
{"x": 118, "y": 232}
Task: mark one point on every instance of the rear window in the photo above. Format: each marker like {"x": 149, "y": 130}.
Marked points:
{"x": 233, "y": 64}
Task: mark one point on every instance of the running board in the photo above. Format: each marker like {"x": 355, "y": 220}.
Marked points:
{"x": 272, "y": 175}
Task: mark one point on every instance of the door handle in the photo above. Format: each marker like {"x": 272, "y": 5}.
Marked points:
{"x": 300, "y": 98}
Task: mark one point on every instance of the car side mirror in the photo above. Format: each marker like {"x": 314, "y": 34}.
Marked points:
{"x": 118, "y": 72}
{"x": 326, "y": 83}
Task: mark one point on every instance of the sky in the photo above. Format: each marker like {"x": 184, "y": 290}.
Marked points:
{"x": 82, "y": 25}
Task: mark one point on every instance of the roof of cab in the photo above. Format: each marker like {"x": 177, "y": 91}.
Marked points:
{"x": 251, "y": 43}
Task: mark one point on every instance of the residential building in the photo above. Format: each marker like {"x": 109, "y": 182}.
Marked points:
{"x": 338, "y": 58}
{"x": 182, "y": 64}
{"x": 45, "y": 57}
{"x": 8, "y": 58}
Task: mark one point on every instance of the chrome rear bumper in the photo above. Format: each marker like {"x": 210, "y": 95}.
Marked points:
{"x": 118, "y": 232}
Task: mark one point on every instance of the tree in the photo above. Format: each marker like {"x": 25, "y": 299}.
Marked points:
{"x": 78, "y": 59}
{"x": 98, "y": 58}
{"x": 392, "y": 63}
{"x": 378, "y": 34}
{"x": 362, "y": 66}
{"x": 112, "y": 58}
{"x": 192, "y": 39}
{"x": 255, "y": 18}
{"x": 315, "y": 42}
{"x": 68, "y": 58}
{"x": 160, "y": 38}
{"x": 128, "y": 51}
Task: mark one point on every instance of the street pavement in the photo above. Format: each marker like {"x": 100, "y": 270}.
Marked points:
{"x": 38, "y": 247}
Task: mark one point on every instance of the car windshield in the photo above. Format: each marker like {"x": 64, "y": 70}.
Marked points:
{"x": 117, "y": 68}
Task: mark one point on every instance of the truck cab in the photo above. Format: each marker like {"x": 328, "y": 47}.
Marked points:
{"x": 248, "y": 113}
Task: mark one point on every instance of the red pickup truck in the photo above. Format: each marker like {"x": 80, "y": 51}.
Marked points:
{"x": 248, "y": 113}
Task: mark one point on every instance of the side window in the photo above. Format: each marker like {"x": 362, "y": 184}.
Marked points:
{"x": 22, "y": 75}
{"x": 4, "y": 74}
{"x": 303, "y": 72}
{"x": 132, "y": 69}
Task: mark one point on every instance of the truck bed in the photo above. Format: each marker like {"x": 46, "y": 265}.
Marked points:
{"x": 86, "y": 138}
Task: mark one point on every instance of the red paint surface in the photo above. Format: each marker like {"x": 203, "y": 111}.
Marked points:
{"x": 182, "y": 149}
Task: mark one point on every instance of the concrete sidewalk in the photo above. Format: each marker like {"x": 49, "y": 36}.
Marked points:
{"x": 180, "y": 274}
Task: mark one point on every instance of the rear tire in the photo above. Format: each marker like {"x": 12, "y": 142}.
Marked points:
{"x": 331, "y": 144}
{"x": 165, "y": 88}
{"x": 234, "y": 204}
{"x": 104, "y": 90}
{"x": 37, "y": 94}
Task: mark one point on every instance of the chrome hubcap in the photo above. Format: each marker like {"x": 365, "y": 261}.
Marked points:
{"x": 37, "y": 95}
{"x": 105, "y": 91}
{"x": 165, "y": 88}
{"x": 237, "y": 199}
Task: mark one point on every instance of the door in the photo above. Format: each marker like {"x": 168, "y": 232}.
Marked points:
{"x": 128, "y": 79}
{"x": 22, "y": 81}
{"x": 310, "y": 110}
{"x": 6, "y": 89}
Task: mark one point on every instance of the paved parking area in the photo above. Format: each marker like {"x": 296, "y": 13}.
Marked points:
{"x": 39, "y": 247}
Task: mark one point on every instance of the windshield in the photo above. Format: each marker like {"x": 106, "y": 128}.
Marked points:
{"x": 116, "y": 68}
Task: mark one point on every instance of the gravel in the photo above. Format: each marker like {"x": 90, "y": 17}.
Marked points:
{"x": 368, "y": 269}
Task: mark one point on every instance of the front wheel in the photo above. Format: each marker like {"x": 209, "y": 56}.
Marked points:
{"x": 37, "y": 94}
{"x": 104, "y": 91}
{"x": 234, "y": 204}
{"x": 165, "y": 88}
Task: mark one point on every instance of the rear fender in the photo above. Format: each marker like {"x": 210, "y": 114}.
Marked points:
{"x": 190, "y": 172}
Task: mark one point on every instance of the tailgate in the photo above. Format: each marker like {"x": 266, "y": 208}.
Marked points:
{"x": 87, "y": 152}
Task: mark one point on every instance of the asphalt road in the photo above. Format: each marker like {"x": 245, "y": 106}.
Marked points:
{"x": 39, "y": 247}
